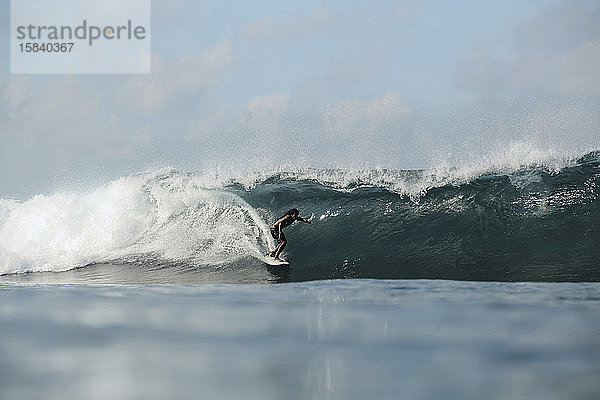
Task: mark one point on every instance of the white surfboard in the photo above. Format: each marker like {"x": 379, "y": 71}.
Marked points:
{"x": 272, "y": 261}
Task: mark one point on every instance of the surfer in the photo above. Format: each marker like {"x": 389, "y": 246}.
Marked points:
{"x": 277, "y": 230}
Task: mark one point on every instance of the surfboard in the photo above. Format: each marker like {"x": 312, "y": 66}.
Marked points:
{"x": 271, "y": 261}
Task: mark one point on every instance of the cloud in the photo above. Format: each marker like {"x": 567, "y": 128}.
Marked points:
{"x": 544, "y": 91}
{"x": 388, "y": 107}
{"x": 289, "y": 28}
{"x": 15, "y": 93}
{"x": 187, "y": 77}
{"x": 558, "y": 27}
{"x": 96, "y": 107}
{"x": 166, "y": 13}
{"x": 269, "y": 125}
{"x": 380, "y": 129}
{"x": 366, "y": 116}
{"x": 556, "y": 51}
{"x": 264, "y": 116}
{"x": 273, "y": 105}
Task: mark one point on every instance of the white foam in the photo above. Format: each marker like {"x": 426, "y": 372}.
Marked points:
{"x": 168, "y": 215}
{"x": 506, "y": 159}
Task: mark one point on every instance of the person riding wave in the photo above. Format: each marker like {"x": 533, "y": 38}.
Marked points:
{"x": 277, "y": 230}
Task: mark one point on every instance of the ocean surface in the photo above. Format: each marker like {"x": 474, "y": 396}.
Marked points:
{"x": 465, "y": 283}
{"x": 341, "y": 339}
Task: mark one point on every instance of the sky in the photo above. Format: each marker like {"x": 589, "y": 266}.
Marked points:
{"x": 240, "y": 86}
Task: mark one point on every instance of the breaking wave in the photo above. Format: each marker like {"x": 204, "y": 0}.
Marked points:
{"x": 507, "y": 220}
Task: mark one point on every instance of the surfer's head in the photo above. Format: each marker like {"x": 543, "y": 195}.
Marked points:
{"x": 293, "y": 212}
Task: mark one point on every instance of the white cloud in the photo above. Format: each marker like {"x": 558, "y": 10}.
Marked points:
{"x": 264, "y": 119}
{"x": 273, "y": 105}
{"x": 389, "y": 106}
{"x": 188, "y": 75}
{"x": 15, "y": 93}
{"x": 64, "y": 99}
{"x": 579, "y": 69}
{"x": 285, "y": 28}
{"x": 326, "y": 136}
{"x": 557, "y": 51}
{"x": 545, "y": 91}
{"x": 379, "y": 129}
{"x": 366, "y": 116}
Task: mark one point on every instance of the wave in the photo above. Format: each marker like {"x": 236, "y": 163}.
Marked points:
{"x": 506, "y": 220}
{"x": 134, "y": 219}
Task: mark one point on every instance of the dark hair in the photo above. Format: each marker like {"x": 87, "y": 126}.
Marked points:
{"x": 293, "y": 211}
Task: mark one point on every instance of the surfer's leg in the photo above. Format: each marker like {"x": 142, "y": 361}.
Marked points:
{"x": 279, "y": 248}
{"x": 282, "y": 243}
{"x": 275, "y": 234}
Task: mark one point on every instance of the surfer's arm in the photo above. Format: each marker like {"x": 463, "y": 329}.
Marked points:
{"x": 304, "y": 220}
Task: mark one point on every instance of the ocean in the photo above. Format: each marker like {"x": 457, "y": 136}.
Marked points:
{"x": 461, "y": 283}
